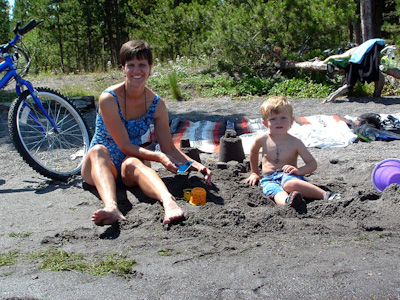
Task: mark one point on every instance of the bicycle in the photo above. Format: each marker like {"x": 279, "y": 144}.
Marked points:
{"x": 46, "y": 128}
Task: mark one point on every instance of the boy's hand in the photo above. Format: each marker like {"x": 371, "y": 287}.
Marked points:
{"x": 205, "y": 171}
{"x": 253, "y": 179}
{"x": 290, "y": 169}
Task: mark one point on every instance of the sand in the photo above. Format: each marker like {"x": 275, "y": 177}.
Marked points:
{"x": 240, "y": 245}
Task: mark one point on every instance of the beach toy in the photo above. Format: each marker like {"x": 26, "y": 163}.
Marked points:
{"x": 385, "y": 173}
{"x": 198, "y": 196}
{"x": 187, "y": 193}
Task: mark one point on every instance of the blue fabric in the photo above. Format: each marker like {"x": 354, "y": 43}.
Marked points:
{"x": 273, "y": 183}
{"x": 359, "y": 53}
{"x": 136, "y": 129}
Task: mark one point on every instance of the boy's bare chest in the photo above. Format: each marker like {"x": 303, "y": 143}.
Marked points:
{"x": 278, "y": 153}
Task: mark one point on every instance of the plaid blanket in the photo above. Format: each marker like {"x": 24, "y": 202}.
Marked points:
{"x": 319, "y": 131}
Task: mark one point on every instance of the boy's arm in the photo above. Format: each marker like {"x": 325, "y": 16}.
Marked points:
{"x": 310, "y": 164}
{"x": 254, "y": 153}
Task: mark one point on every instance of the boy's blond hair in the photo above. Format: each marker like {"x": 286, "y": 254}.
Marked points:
{"x": 276, "y": 104}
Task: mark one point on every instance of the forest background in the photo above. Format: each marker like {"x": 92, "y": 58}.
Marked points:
{"x": 240, "y": 43}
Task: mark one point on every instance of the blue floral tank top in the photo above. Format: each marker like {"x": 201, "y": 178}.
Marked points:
{"x": 136, "y": 129}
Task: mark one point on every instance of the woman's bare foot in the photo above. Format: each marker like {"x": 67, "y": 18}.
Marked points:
{"x": 173, "y": 212}
{"x": 107, "y": 216}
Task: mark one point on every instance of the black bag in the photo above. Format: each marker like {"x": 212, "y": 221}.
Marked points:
{"x": 371, "y": 119}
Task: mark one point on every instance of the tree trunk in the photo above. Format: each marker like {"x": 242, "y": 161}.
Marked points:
{"x": 117, "y": 19}
{"x": 357, "y": 32}
{"x": 366, "y": 19}
{"x": 371, "y": 18}
{"x": 111, "y": 41}
{"x": 60, "y": 41}
{"x": 355, "y": 28}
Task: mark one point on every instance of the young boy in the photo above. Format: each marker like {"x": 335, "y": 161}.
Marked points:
{"x": 282, "y": 180}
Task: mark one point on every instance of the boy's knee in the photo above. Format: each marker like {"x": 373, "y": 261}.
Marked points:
{"x": 291, "y": 185}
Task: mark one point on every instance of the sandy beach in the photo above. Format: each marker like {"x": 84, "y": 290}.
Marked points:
{"x": 240, "y": 245}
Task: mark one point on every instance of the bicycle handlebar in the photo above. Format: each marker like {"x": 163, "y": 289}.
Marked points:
{"x": 20, "y": 32}
{"x": 28, "y": 27}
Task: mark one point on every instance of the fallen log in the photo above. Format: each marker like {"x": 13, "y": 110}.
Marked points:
{"x": 394, "y": 72}
{"x": 319, "y": 66}
{"x": 316, "y": 65}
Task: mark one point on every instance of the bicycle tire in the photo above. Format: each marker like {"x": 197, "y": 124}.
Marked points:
{"x": 57, "y": 156}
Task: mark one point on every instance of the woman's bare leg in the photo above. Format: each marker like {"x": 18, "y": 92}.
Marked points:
{"x": 135, "y": 172}
{"x": 98, "y": 170}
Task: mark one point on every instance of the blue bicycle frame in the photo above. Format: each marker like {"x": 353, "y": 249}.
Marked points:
{"x": 8, "y": 65}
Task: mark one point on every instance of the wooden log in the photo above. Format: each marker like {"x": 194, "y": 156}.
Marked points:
{"x": 394, "y": 72}
{"x": 317, "y": 66}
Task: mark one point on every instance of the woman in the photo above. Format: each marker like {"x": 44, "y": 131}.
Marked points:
{"x": 124, "y": 114}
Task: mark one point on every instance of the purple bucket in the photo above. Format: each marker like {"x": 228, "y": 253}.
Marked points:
{"x": 385, "y": 173}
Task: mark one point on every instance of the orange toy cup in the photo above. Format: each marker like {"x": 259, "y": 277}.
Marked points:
{"x": 198, "y": 196}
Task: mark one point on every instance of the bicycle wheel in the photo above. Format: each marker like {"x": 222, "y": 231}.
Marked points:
{"x": 21, "y": 60}
{"x": 56, "y": 155}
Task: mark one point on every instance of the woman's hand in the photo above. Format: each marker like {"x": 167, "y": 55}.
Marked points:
{"x": 290, "y": 169}
{"x": 167, "y": 163}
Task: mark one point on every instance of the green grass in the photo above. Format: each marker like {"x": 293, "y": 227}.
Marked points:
{"x": 9, "y": 258}
{"x": 59, "y": 260}
{"x": 300, "y": 88}
{"x": 164, "y": 252}
{"x": 362, "y": 90}
{"x": 199, "y": 80}
{"x": 78, "y": 90}
{"x": 175, "y": 89}
{"x": 91, "y": 84}
{"x": 20, "y": 234}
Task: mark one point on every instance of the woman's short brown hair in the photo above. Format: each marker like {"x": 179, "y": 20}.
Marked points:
{"x": 135, "y": 49}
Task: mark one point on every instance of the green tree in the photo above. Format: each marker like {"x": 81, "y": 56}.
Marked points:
{"x": 247, "y": 31}
{"x": 22, "y": 11}
{"x": 391, "y": 25}
{"x": 175, "y": 27}
{"x": 69, "y": 40}
{"x": 241, "y": 34}
{"x": 4, "y": 21}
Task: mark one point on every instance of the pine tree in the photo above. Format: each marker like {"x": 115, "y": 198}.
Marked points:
{"x": 4, "y": 21}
